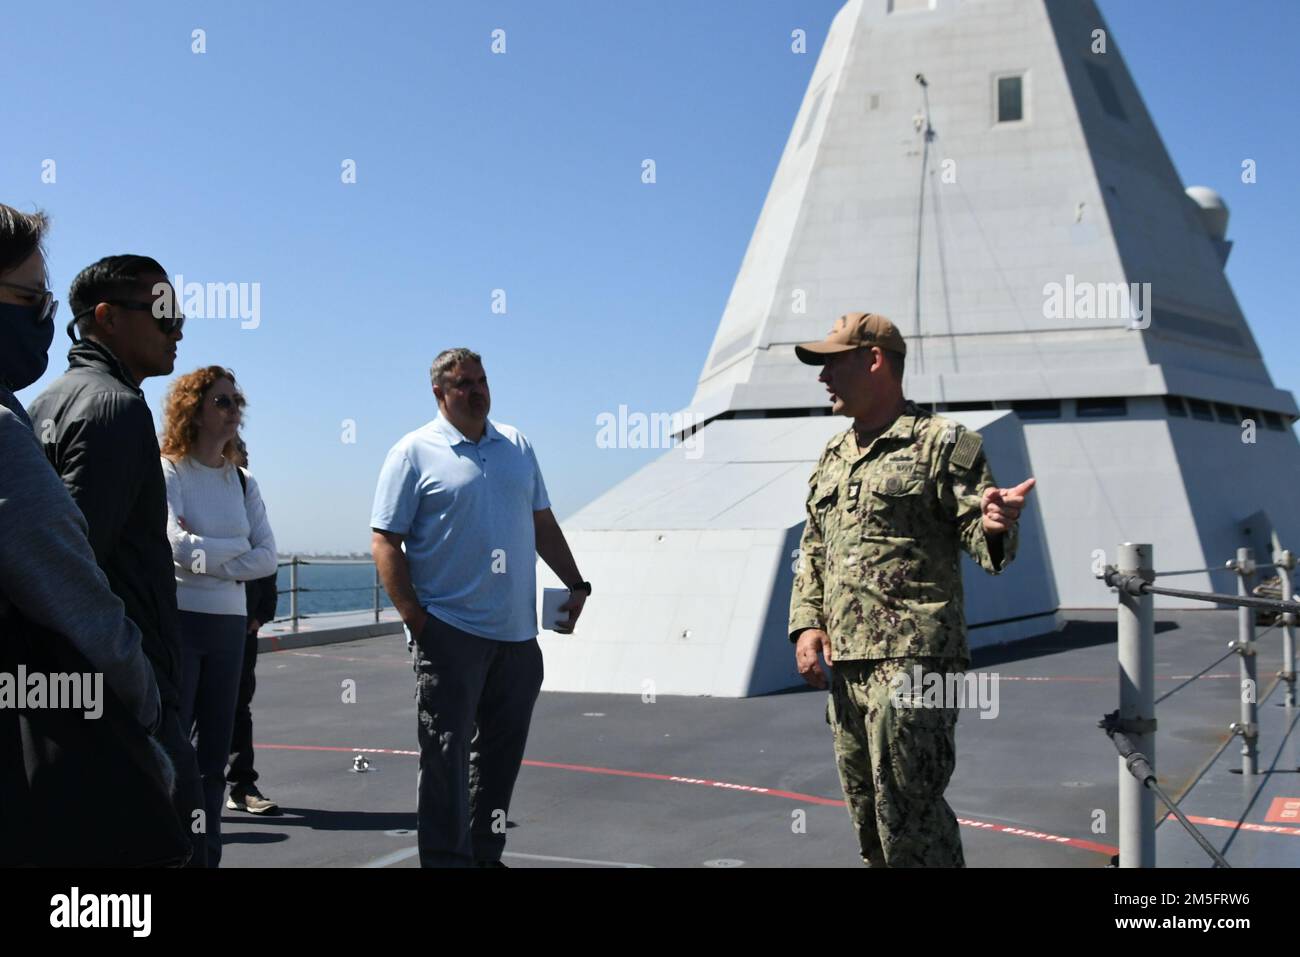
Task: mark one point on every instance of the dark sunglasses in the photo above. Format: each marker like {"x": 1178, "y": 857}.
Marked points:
{"x": 224, "y": 401}
{"x": 48, "y": 304}
{"x": 168, "y": 324}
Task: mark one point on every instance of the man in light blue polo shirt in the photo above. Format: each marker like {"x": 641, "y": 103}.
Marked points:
{"x": 466, "y": 498}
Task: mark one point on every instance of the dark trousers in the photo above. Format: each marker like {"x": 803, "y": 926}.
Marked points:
{"x": 189, "y": 789}
{"x": 212, "y": 656}
{"x": 474, "y": 700}
{"x": 241, "y": 772}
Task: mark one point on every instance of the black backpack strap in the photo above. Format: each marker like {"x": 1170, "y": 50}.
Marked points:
{"x": 243, "y": 478}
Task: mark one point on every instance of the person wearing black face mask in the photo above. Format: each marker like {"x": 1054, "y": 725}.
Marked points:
{"x": 27, "y": 310}
{"x": 58, "y": 616}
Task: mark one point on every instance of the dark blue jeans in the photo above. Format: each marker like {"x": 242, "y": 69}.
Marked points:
{"x": 212, "y": 656}
{"x": 474, "y": 699}
{"x": 241, "y": 771}
{"x": 188, "y": 798}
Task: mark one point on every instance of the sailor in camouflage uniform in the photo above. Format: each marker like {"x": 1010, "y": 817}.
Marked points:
{"x": 878, "y": 587}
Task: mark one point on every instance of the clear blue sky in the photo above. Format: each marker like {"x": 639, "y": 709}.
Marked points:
{"x": 519, "y": 172}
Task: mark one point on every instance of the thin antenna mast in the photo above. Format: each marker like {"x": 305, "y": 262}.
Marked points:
{"x": 920, "y": 218}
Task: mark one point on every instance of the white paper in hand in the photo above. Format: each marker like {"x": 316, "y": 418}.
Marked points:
{"x": 552, "y": 599}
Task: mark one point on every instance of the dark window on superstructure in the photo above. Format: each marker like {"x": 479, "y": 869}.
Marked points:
{"x": 1011, "y": 99}
{"x": 1106, "y": 92}
{"x": 1200, "y": 410}
{"x": 1225, "y": 413}
{"x": 1174, "y": 406}
{"x": 976, "y": 406}
{"x": 1248, "y": 413}
{"x": 1274, "y": 421}
{"x": 1037, "y": 408}
{"x": 1100, "y": 407}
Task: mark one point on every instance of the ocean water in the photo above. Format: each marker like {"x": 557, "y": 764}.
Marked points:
{"x": 331, "y": 588}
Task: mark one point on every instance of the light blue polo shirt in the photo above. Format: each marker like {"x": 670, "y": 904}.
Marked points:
{"x": 466, "y": 511}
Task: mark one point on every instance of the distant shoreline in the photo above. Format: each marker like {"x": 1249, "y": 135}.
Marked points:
{"x": 352, "y": 556}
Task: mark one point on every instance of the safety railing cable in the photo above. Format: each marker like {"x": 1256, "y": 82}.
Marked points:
{"x": 1198, "y": 674}
{"x": 1200, "y": 571}
{"x": 1230, "y": 652}
{"x": 304, "y": 588}
{"x": 1133, "y": 726}
{"x": 1141, "y": 769}
{"x": 1136, "y": 585}
{"x": 295, "y": 589}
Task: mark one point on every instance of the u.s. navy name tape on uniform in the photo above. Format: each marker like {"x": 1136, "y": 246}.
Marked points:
{"x": 879, "y": 571}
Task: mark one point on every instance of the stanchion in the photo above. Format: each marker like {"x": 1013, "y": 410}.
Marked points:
{"x": 293, "y": 592}
{"x": 1286, "y": 561}
{"x": 1248, "y": 726}
{"x": 1137, "y": 805}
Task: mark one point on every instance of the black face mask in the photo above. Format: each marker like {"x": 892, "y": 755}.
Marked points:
{"x": 24, "y": 345}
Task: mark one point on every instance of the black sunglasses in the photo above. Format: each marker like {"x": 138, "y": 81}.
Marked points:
{"x": 48, "y": 304}
{"x": 224, "y": 401}
{"x": 168, "y": 324}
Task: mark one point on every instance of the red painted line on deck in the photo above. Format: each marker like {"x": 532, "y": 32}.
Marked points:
{"x": 1245, "y": 826}
{"x": 681, "y": 779}
{"x": 405, "y": 662}
{"x": 321, "y": 747}
{"x": 390, "y": 659}
{"x": 1007, "y": 829}
{"x": 1011, "y": 829}
{"x": 1086, "y": 679}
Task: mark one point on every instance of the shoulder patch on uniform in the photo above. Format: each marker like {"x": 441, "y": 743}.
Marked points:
{"x": 966, "y": 450}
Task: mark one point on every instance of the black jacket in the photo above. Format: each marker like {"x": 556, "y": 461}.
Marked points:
{"x": 98, "y": 433}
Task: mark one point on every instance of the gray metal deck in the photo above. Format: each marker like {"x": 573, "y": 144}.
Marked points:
{"x": 688, "y": 782}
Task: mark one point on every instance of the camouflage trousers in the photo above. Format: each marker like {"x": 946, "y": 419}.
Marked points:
{"x": 894, "y": 765}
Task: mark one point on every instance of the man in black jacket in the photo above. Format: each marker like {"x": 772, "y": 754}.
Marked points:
{"x": 98, "y": 433}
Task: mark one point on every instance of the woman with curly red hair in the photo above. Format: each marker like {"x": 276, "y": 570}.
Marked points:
{"x": 220, "y": 539}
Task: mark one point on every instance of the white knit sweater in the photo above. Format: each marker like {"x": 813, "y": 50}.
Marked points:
{"x": 226, "y": 539}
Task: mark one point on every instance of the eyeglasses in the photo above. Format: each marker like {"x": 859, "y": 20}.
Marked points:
{"x": 168, "y": 324}
{"x": 224, "y": 401}
{"x": 48, "y": 304}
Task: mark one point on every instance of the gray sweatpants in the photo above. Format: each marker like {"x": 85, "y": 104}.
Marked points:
{"x": 474, "y": 699}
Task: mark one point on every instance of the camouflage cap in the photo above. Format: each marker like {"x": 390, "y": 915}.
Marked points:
{"x": 853, "y": 330}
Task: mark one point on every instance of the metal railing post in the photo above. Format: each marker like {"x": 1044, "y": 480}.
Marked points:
{"x": 376, "y": 593}
{"x": 1286, "y": 562}
{"x": 293, "y": 592}
{"x": 1137, "y": 656}
{"x": 1248, "y": 726}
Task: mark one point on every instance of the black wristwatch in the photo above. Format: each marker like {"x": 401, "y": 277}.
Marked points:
{"x": 582, "y": 586}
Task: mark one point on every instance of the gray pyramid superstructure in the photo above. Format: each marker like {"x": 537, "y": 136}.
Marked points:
{"x": 1081, "y": 187}
{"x": 985, "y": 173}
